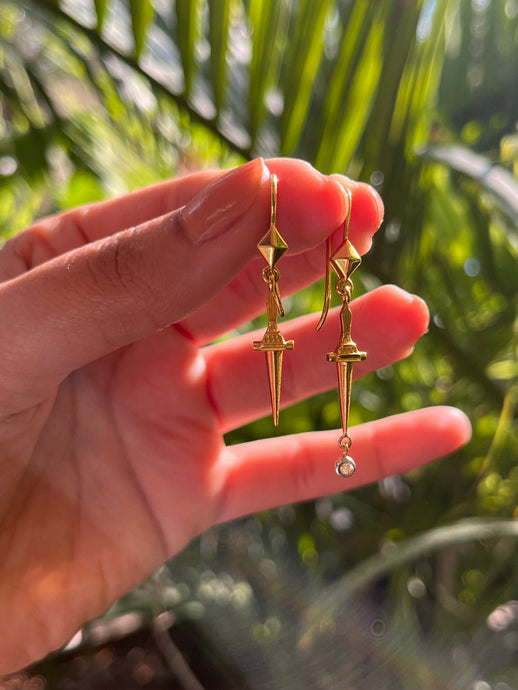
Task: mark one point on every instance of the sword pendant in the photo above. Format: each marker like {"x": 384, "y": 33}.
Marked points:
{"x": 272, "y": 247}
{"x": 345, "y": 260}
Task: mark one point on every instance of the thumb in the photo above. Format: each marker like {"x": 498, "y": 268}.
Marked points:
{"x": 93, "y": 300}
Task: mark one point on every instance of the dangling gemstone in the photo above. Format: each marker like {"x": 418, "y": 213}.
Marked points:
{"x": 345, "y": 467}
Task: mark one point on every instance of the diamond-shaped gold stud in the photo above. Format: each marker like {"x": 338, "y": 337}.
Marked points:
{"x": 345, "y": 260}
{"x": 272, "y": 246}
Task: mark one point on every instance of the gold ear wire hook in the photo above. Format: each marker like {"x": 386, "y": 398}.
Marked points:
{"x": 329, "y": 265}
{"x": 348, "y": 221}
{"x": 273, "y": 200}
{"x": 327, "y": 289}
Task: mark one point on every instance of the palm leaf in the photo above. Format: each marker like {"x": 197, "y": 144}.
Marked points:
{"x": 495, "y": 179}
{"x": 268, "y": 21}
{"x": 300, "y": 68}
{"x": 364, "y": 575}
{"x": 340, "y": 68}
{"x": 219, "y": 24}
{"x": 142, "y": 12}
{"x": 101, "y": 7}
{"x": 187, "y": 19}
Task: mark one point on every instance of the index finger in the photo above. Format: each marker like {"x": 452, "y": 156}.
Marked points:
{"x": 58, "y": 234}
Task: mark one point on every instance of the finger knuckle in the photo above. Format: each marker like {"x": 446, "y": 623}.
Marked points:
{"x": 119, "y": 266}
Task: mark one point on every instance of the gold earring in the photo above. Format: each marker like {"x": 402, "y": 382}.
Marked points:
{"x": 272, "y": 247}
{"x": 345, "y": 260}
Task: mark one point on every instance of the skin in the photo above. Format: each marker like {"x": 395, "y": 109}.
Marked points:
{"x": 111, "y": 416}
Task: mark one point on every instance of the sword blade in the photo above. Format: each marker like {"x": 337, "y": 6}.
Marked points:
{"x": 274, "y": 366}
{"x": 345, "y": 378}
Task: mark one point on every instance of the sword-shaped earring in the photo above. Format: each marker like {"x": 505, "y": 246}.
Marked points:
{"x": 345, "y": 260}
{"x": 272, "y": 247}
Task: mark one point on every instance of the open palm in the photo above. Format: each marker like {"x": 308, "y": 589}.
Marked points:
{"x": 113, "y": 402}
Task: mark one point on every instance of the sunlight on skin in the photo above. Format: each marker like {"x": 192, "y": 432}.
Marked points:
{"x": 111, "y": 418}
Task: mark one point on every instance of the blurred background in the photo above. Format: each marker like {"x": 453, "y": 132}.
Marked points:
{"x": 408, "y": 584}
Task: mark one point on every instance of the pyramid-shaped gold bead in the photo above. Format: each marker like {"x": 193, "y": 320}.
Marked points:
{"x": 345, "y": 260}
{"x": 272, "y": 246}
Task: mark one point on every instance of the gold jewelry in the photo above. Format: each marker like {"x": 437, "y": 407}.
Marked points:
{"x": 345, "y": 260}
{"x": 272, "y": 247}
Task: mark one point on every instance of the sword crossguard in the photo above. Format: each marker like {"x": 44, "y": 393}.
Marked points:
{"x": 266, "y": 345}
{"x": 346, "y": 357}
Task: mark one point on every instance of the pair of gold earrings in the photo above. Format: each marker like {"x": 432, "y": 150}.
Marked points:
{"x": 344, "y": 261}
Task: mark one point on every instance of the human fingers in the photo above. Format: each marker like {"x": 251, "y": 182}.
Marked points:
{"x": 387, "y": 323}
{"x": 55, "y": 235}
{"x": 263, "y": 474}
{"x": 96, "y": 299}
{"x": 244, "y": 297}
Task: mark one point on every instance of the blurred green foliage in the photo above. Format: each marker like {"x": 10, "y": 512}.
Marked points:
{"x": 409, "y": 583}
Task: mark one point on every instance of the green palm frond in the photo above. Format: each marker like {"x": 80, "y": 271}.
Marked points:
{"x": 325, "y": 80}
{"x": 290, "y": 64}
{"x": 141, "y": 12}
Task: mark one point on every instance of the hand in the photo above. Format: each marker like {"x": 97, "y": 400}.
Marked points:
{"x": 111, "y": 420}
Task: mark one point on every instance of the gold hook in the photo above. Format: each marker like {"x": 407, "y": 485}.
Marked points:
{"x": 327, "y": 289}
{"x": 329, "y": 265}
{"x": 273, "y": 200}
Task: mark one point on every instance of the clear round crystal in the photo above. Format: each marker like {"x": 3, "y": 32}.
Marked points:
{"x": 345, "y": 467}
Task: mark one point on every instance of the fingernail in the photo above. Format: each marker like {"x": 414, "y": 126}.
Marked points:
{"x": 222, "y": 203}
